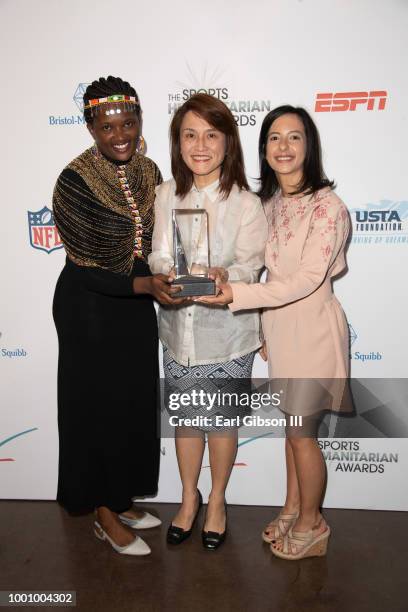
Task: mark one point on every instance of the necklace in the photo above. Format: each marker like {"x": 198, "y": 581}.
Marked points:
{"x": 124, "y": 185}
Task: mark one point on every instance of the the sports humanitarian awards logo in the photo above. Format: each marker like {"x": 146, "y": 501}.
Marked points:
{"x": 349, "y": 456}
{"x": 42, "y": 230}
{"x": 246, "y": 111}
{"x": 350, "y": 101}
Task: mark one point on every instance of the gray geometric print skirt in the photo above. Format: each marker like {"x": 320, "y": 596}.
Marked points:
{"x": 215, "y": 389}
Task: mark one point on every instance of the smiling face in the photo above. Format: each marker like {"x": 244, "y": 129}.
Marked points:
{"x": 202, "y": 148}
{"x": 115, "y": 134}
{"x": 286, "y": 149}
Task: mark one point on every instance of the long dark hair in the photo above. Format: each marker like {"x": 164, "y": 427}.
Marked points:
{"x": 314, "y": 177}
{"x": 219, "y": 116}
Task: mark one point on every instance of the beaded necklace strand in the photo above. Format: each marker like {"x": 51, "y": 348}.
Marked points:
{"x": 124, "y": 185}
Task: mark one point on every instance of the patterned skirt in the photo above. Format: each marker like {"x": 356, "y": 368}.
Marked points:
{"x": 215, "y": 395}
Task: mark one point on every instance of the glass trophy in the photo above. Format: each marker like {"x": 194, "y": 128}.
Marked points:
{"x": 191, "y": 252}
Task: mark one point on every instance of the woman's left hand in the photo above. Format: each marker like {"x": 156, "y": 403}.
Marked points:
{"x": 224, "y": 296}
{"x": 220, "y": 275}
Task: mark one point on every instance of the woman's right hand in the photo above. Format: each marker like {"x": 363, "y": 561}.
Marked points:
{"x": 159, "y": 286}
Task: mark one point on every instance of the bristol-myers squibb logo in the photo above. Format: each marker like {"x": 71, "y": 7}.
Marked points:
{"x": 358, "y": 355}
{"x": 352, "y": 334}
{"x": 11, "y": 353}
{"x": 43, "y": 233}
{"x": 385, "y": 222}
{"x": 78, "y": 96}
{"x": 71, "y": 119}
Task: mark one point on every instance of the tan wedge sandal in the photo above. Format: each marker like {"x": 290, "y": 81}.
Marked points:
{"x": 299, "y": 545}
{"x": 279, "y": 527}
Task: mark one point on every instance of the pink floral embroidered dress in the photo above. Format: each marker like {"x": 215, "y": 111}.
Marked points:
{"x": 305, "y": 328}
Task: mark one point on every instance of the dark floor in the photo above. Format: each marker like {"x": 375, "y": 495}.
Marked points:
{"x": 41, "y": 548}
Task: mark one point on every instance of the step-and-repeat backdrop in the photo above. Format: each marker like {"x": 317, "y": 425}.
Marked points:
{"x": 341, "y": 60}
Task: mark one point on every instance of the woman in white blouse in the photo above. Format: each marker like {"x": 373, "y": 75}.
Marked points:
{"x": 201, "y": 341}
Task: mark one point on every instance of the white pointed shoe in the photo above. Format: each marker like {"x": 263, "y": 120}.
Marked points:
{"x": 146, "y": 522}
{"x": 137, "y": 547}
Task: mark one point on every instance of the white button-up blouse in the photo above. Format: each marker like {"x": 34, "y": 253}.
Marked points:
{"x": 197, "y": 333}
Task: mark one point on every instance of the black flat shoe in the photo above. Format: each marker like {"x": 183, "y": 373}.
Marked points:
{"x": 212, "y": 539}
{"x": 177, "y": 535}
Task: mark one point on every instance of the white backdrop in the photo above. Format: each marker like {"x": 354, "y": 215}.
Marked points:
{"x": 255, "y": 56}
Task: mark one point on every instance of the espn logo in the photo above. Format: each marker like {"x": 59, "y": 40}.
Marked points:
{"x": 348, "y": 101}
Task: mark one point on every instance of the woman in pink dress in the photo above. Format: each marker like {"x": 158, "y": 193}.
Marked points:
{"x": 305, "y": 329}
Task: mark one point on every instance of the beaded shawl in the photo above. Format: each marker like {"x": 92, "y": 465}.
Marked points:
{"x": 93, "y": 217}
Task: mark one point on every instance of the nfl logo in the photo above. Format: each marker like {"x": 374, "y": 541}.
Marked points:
{"x": 43, "y": 233}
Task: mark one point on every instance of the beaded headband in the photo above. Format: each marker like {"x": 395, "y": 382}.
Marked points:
{"x": 129, "y": 102}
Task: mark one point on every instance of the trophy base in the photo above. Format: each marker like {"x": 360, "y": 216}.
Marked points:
{"x": 194, "y": 286}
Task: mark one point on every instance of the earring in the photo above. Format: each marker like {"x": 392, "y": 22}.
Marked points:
{"x": 141, "y": 145}
{"x": 95, "y": 151}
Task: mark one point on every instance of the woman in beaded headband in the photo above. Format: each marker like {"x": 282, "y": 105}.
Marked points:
{"x": 106, "y": 322}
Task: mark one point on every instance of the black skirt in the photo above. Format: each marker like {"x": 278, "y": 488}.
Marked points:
{"x": 107, "y": 389}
